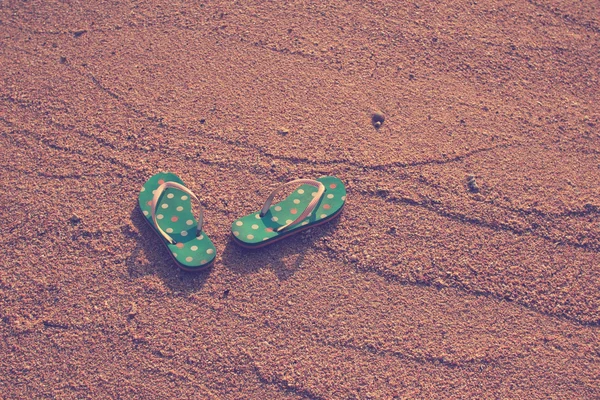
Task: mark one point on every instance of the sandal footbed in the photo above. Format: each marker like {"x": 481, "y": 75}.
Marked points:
{"x": 175, "y": 216}
{"x": 252, "y": 230}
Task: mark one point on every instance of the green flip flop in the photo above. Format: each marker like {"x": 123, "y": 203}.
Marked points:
{"x": 165, "y": 200}
{"x": 312, "y": 204}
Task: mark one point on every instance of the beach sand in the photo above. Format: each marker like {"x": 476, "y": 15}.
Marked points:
{"x": 466, "y": 261}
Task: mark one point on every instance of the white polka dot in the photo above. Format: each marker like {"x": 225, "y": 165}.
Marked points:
{"x": 203, "y": 262}
{"x": 145, "y": 213}
{"x": 154, "y": 191}
{"x": 239, "y": 223}
{"x": 184, "y": 233}
{"x": 189, "y": 222}
{"x": 254, "y": 226}
{"x": 323, "y": 215}
{"x": 174, "y": 254}
{"x": 277, "y": 208}
{"x": 313, "y": 194}
{"x": 304, "y": 223}
{"x": 257, "y": 216}
{"x": 143, "y": 189}
{"x": 250, "y": 237}
{"x": 330, "y": 196}
{"x": 289, "y": 221}
{"x": 296, "y": 201}
{"x": 179, "y": 208}
{"x": 160, "y": 216}
{"x": 200, "y": 237}
{"x": 170, "y": 196}
{"x": 184, "y": 197}
{"x": 236, "y": 233}
{"x": 194, "y": 248}
{"x": 189, "y": 259}
{"x": 210, "y": 251}
{"x": 265, "y": 239}
{"x": 169, "y": 230}
{"x": 343, "y": 198}
{"x": 165, "y": 205}
{"x": 300, "y": 191}
{"x": 274, "y": 219}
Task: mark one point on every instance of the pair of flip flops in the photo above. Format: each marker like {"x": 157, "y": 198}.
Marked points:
{"x": 165, "y": 201}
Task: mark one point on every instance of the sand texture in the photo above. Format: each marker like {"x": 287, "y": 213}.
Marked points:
{"x": 466, "y": 262}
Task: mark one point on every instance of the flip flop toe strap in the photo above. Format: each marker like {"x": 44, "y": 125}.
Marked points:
{"x": 309, "y": 208}
{"x": 159, "y": 191}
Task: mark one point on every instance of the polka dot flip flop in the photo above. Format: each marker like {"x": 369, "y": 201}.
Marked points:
{"x": 312, "y": 204}
{"x": 165, "y": 200}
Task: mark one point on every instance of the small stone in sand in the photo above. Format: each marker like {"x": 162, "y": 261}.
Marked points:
{"x": 75, "y": 219}
{"x": 283, "y": 131}
{"x": 377, "y": 119}
{"x": 472, "y": 184}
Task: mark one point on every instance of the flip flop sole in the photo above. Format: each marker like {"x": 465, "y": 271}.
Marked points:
{"x": 268, "y": 242}
{"x": 252, "y": 231}
{"x": 174, "y": 214}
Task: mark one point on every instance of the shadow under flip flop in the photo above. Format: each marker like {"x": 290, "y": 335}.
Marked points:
{"x": 159, "y": 262}
{"x": 284, "y": 257}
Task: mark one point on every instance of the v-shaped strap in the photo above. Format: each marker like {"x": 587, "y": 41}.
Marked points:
{"x": 309, "y": 208}
{"x": 159, "y": 191}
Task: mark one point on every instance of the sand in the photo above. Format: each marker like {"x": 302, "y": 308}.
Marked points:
{"x": 465, "y": 264}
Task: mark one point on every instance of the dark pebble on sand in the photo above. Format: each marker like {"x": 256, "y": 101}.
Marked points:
{"x": 377, "y": 119}
{"x": 472, "y": 184}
